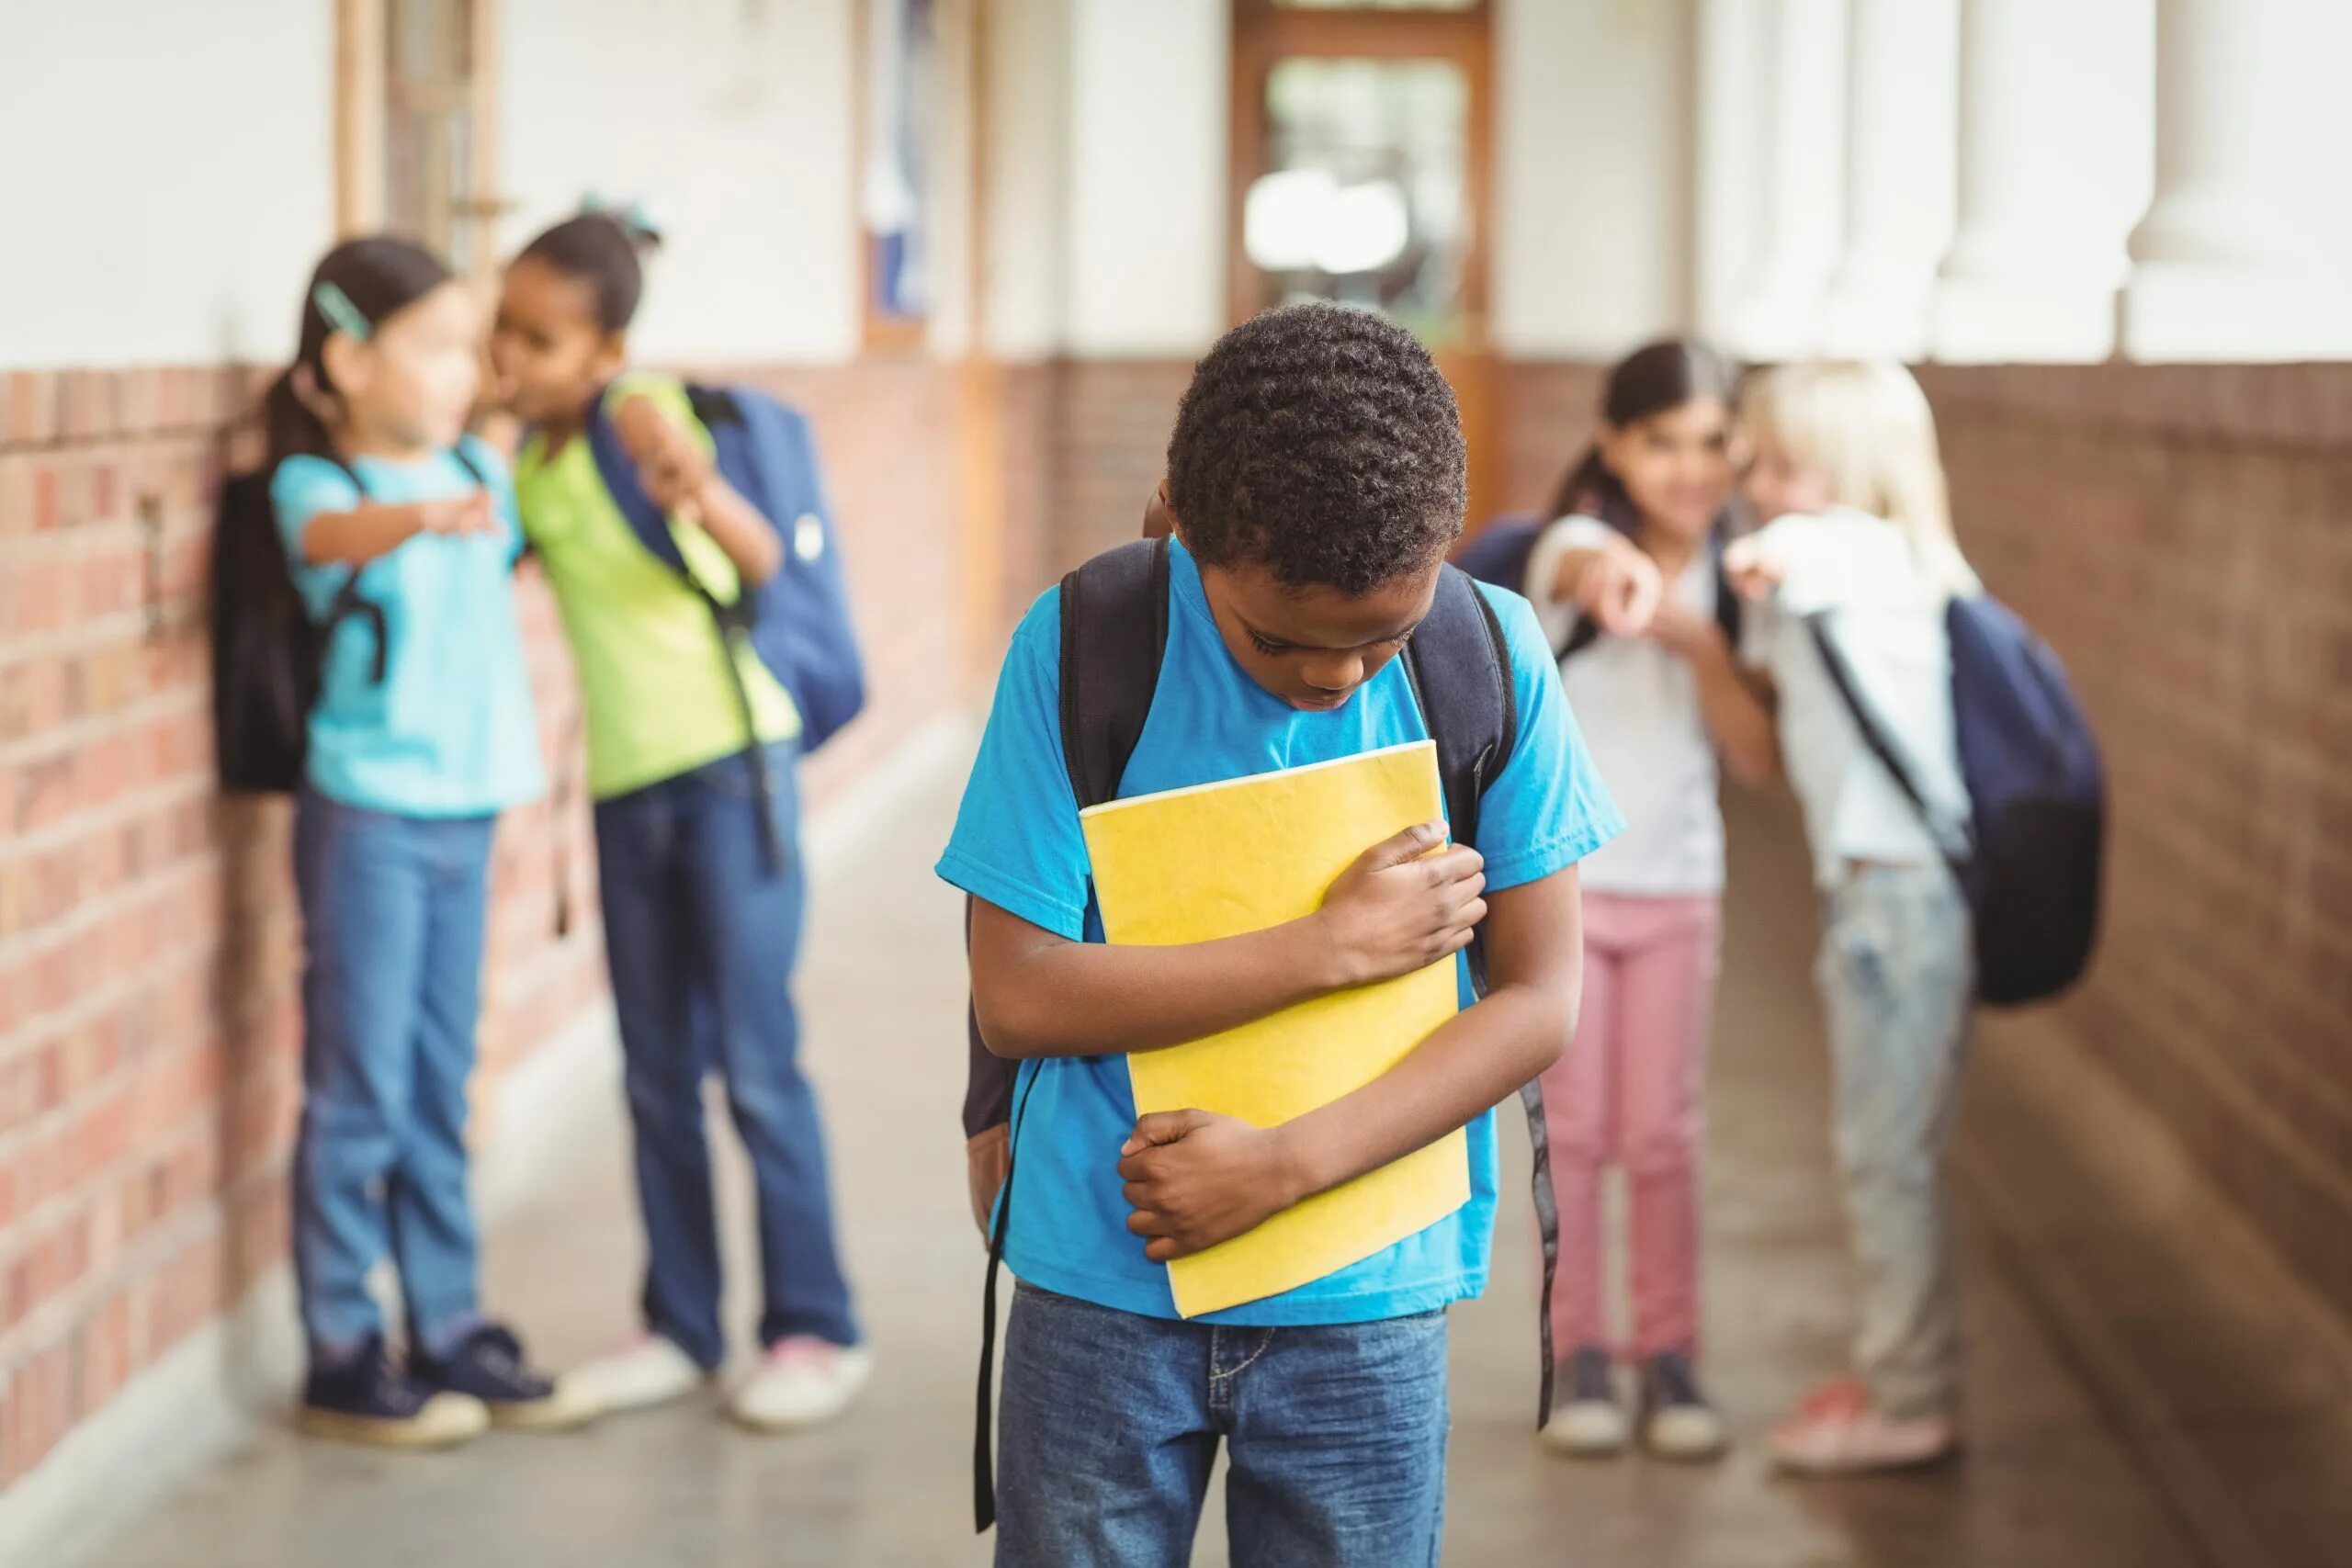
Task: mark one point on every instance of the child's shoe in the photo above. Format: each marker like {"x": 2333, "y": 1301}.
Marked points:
{"x": 803, "y": 1382}
{"x": 649, "y": 1370}
{"x": 1837, "y": 1432}
{"x": 1678, "y": 1421}
{"x": 370, "y": 1399}
{"x": 488, "y": 1364}
{"x": 1586, "y": 1421}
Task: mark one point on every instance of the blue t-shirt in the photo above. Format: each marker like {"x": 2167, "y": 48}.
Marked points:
{"x": 449, "y": 732}
{"x": 1017, "y": 844}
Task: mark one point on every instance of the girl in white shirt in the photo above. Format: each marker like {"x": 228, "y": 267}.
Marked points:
{"x": 1626, "y": 583}
{"x": 1856, "y": 548}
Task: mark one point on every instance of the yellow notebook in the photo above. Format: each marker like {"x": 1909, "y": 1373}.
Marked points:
{"x": 1218, "y": 859}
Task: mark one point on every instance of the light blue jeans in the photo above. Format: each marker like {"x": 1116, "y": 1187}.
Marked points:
{"x": 1898, "y": 973}
{"x": 1335, "y": 1438}
{"x": 392, "y": 913}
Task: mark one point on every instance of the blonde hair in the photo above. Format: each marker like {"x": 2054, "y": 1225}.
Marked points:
{"x": 1865, "y": 427}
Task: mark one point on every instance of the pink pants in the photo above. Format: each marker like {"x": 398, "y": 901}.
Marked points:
{"x": 1627, "y": 1094}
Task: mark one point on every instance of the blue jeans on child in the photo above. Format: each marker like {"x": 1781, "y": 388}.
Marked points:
{"x": 1335, "y": 1439}
{"x": 1898, "y": 973}
{"x": 702, "y": 927}
{"x": 392, "y": 913}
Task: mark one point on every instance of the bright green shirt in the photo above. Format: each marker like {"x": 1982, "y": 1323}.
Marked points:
{"x": 649, "y": 657}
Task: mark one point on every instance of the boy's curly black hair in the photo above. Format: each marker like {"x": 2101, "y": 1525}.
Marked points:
{"x": 1321, "y": 442}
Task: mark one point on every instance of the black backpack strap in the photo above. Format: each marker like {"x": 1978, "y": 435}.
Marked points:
{"x": 1876, "y": 735}
{"x": 1114, "y": 627}
{"x": 1460, "y": 666}
{"x": 1114, "y": 630}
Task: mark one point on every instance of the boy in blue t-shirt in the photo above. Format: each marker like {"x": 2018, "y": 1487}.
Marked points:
{"x": 1316, "y": 478}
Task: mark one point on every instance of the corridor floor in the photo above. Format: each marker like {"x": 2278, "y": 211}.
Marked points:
{"x": 2045, "y": 1485}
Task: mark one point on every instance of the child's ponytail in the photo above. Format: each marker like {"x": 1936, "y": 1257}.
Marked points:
{"x": 357, "y": 285}
{"x": 1646, "y": 382}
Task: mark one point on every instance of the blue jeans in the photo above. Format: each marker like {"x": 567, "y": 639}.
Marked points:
{"x": 393, "y": 911}
{"x": 701, "y": 932}
{"x": 1897, "y": 975}
{"x": 1336, "y": 1439}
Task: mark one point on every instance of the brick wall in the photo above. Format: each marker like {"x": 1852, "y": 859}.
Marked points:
{"x": 149, "y": 1019}
{"x": 2183, "y": 537}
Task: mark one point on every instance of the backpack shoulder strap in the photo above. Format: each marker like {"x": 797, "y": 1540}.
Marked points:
{"x": 1114, "y": 628}
{"x": 1728, "y": 609}
{"x": 1460, "y": 668}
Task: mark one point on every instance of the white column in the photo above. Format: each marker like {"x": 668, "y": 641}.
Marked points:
{"x": 2056, "y": 157}
{"x": 1802, "y": 227}
{"x": 1902, "y": 141}
{"x": 2225, "y": 271}
{"x": 1733, "y": 98}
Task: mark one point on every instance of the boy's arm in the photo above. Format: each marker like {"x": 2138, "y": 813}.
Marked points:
{"x": 680, "y": 478}
{"x": 1398, "y": 908}
{"x": 1195, "y": 1179}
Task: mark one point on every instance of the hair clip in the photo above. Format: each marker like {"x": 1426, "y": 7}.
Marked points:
{"x": 340, "y": 313}
{"x": 633, "y": 216}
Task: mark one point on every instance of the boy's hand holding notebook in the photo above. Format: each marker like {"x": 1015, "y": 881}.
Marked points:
{"x": 1197, "y": 864}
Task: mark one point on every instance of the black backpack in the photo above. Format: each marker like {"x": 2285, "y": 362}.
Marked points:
{"x": 268, "y": 653}
{"x": 1114, "y": 630}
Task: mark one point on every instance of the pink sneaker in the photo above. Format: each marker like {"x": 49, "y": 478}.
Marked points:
{"x": 1835, "y": 1432}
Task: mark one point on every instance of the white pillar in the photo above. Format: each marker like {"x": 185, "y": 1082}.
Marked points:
{"x": 2223, "y": 272}
{"x": 1802, "y": 227}
{"x": 1733, "y": 98}
{"x": 2056, "y": 104}
{"x": 1902, "y": 141}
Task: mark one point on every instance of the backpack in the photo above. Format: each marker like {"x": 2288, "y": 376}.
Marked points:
{"x": 2029, "y": 864}
{"x": 1500, "y": 553}
{"x": 269, "y": 655}
{"x": 1114, "y": 630}
{"x": 798, "y": 621}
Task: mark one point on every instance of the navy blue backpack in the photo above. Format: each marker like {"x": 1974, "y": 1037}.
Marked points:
{"x": 798, "y": 621}
{"x": 2037, "y": 795}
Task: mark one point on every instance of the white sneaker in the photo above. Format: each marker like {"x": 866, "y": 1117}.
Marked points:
{"x": 804, "y": 1381}
{"x": 649, "y": 1370}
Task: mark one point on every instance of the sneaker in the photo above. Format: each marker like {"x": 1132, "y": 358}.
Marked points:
{"x": 1586, "y": 1421}
{"x": 803, "y": 1382}
{"x": 1837, "y": 1432}
{"x": 1677, "y": 1421}
{"x": 370, "y": 1399}
{"x": 649, "y": 1370}
{"x": 488, "y": 1364}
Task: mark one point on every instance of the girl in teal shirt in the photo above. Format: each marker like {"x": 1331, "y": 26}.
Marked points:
{"x": 421, "y": 734}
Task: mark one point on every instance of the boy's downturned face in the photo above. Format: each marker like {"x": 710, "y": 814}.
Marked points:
{"x": 1313, "y": 647}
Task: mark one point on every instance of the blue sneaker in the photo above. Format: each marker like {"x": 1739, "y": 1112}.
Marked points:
{"x": 488, "y": 1365}
{"x": 1586, "y": 1421}
{"x": 369, "y": 1398}
{"x": 1678, "y": 1420}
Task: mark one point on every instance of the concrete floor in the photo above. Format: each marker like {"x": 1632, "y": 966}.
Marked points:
{"x": 2046, "y": 1483}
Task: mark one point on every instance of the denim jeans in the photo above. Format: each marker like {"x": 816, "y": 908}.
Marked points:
{"x": 1335, "y": 1439}
{"x": 702, "y": 927}
{"x": 392, "y": 912}
{"x": 1897, "y": 973}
